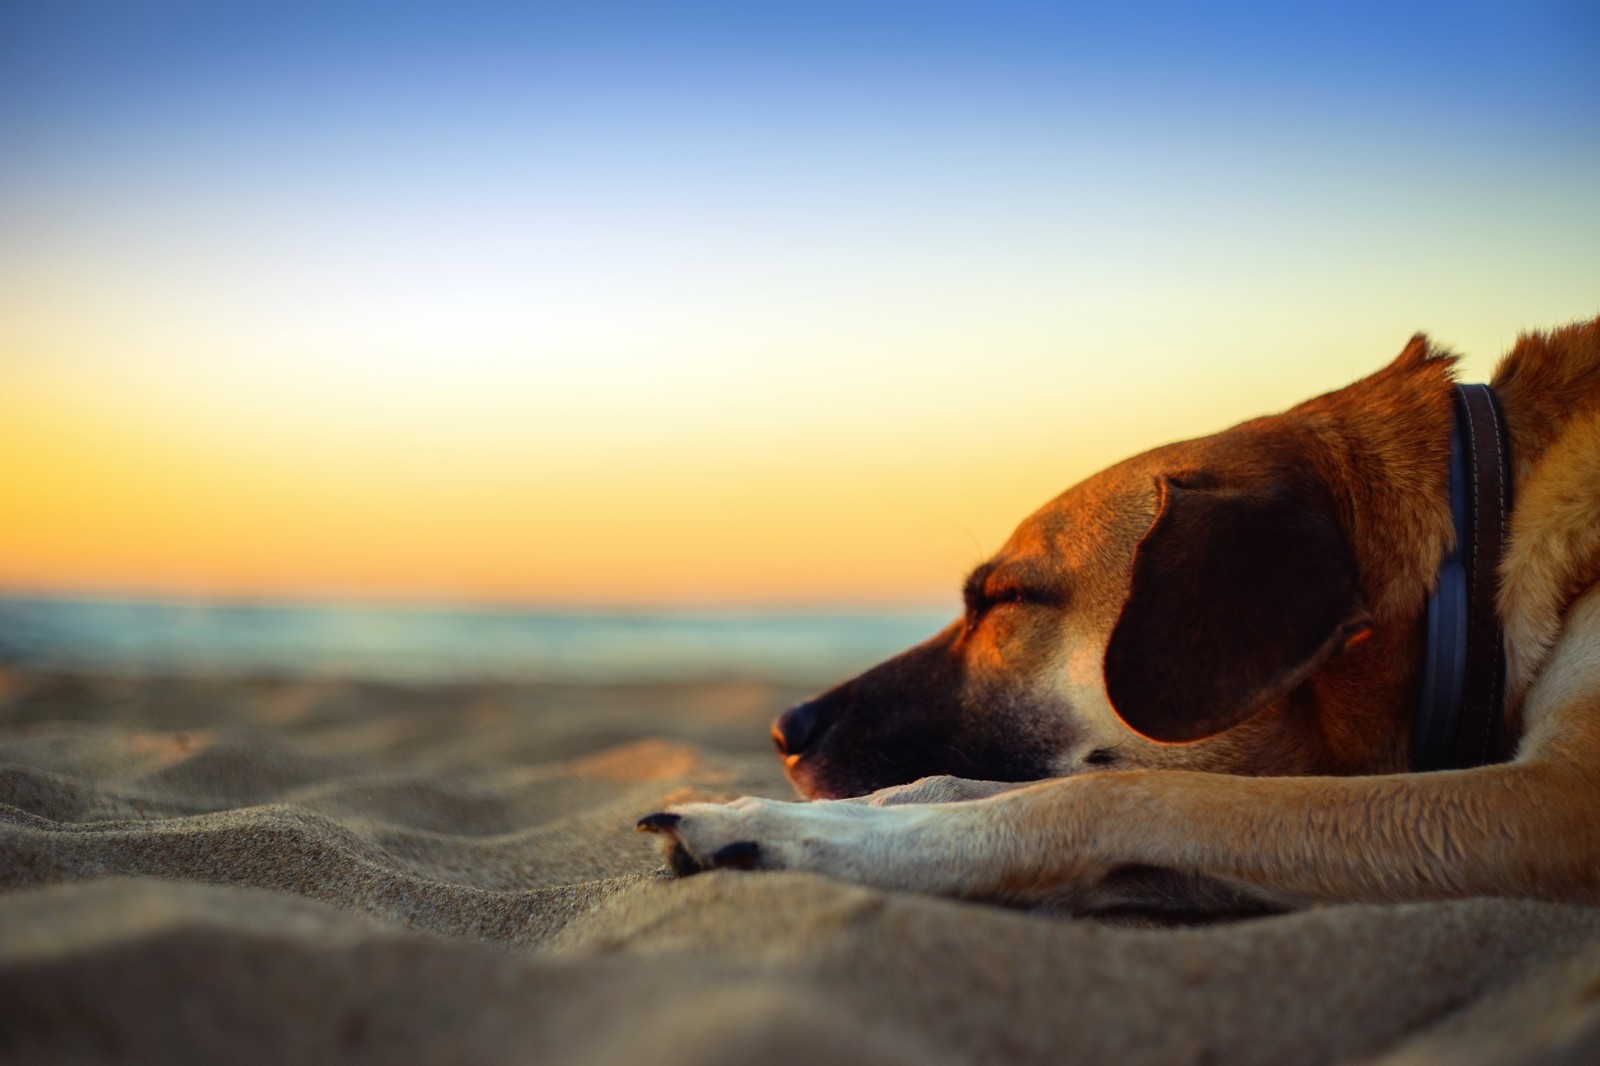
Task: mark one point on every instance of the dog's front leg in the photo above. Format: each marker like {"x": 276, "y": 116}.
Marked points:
{"x": 969, "y": 848}
{"x": 1516, "y": 830}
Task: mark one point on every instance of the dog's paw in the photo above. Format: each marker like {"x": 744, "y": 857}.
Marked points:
{"x": 825, "y": 837}
{"x": 739, "y": 855}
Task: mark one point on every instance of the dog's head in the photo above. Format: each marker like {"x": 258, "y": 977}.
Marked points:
{"x": 1206, "y": 605}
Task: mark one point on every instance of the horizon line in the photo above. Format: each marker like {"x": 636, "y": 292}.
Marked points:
{"x": 468, "y": 605}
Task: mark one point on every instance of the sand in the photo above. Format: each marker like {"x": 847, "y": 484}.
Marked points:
{"x": 223, "y": 871}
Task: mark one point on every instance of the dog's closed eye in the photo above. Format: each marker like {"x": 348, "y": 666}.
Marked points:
{"x": 983, "y": 601}
{"x": 991, "y": 586}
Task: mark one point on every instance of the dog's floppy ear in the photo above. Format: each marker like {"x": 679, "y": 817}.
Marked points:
{"x": 1237, "y": 596}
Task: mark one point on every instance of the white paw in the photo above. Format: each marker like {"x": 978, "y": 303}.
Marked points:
{"x": 828, "y": 837}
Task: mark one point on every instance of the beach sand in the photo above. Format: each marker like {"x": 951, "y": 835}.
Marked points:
{"x": 224, "y": 871}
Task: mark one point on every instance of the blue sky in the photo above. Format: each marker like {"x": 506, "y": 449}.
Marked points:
{"x": 718, "y": 78}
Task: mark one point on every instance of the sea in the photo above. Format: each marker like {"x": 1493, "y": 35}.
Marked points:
{"x": 426, "y": 645}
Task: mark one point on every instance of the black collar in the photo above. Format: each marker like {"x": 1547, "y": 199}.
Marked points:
{"x": 1458, "y": 720}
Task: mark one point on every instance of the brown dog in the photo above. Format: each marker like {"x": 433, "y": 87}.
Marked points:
{"x": 1214, "y": 653}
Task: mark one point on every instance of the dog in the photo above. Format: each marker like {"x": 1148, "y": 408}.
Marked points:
{"x": 1199, "y": 679}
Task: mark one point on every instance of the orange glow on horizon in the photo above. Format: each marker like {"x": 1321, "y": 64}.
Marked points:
{"x": 126, "y": 502}
{"x": 162, "y": 477}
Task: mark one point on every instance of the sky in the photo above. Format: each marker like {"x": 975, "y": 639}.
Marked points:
{"x": 694, "y": 305}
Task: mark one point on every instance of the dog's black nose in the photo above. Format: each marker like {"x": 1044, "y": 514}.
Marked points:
{"x": 797, "y": 730}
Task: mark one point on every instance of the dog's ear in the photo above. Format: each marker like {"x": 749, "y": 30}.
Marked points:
{"x": 1237, "y": 596}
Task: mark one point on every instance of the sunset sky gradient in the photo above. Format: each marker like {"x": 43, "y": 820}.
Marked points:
{"x": 694, "y": 304}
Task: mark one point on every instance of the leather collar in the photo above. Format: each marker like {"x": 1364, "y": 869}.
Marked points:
{"x": 1459, "y": 721}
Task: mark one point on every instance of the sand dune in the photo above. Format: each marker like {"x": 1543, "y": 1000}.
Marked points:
{"x": 203, "y": 870}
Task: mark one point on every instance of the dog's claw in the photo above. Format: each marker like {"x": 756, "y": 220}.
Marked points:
{"x": 692, "y": 844}
{"x": 680, "y": 862}
{"x": 661, "y": 822}
{"x": 742, "y": 855}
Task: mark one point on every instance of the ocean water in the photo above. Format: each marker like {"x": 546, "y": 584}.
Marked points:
{"x": 419, "y": 645}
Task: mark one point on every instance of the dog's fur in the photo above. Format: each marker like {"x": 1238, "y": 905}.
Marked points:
{"x": 1213, "y": 651}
